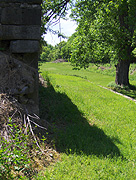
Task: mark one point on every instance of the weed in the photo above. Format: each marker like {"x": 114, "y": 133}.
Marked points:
{"x": 14, "y": 154}
{"x": 113, "y": 85}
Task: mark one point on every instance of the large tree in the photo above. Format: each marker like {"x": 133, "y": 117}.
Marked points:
{"x": 106, "y": 29}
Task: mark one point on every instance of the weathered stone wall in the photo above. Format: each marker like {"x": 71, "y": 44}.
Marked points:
{"x": 20, "y": 22}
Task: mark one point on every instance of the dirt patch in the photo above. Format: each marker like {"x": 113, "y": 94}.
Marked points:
{"x": 59, "y": 61}
{"x": 19, "y": 80}
{"x": 102, "y": 68}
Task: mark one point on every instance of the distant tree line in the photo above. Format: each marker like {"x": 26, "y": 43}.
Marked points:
{"x": 63, "y": 50}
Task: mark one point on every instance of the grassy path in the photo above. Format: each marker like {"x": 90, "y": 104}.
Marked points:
{"x": 94, "y": 129}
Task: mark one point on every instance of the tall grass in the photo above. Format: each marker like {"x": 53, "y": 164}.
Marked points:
{"x": 94, "y": 129}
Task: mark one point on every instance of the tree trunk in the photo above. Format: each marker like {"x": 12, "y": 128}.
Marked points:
{"x": 122, "y": 73}
{"x": 122, "y": 68}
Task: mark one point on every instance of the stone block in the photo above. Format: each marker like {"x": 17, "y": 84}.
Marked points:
{"x": 21, "y": 16}
{"x": 22, "y": 1}
{"x": 11, "y": 16}
{"x": 31, "y": 59}
{"x": 31, "y": 16}
{"x": 24, "y": 46}
{"x": 11, "y": 32}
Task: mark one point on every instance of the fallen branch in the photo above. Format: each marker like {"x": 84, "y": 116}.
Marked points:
{"x": 34, "y": 135}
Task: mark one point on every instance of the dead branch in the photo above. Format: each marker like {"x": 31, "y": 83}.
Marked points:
{"x": 34, "y": 135}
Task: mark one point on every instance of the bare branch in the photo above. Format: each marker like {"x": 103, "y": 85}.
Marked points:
{"x": 34, "y": 135}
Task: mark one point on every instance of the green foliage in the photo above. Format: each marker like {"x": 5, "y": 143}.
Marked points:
{"x": 134, "y": 52}
{"x": 14, "y": 153}
{"x": 113, "y": 85}
{"x": 46, "y": 53}
{"x": 64, "y": 50}
{"x": 52, "y": 10}
{"x": 106, "y": 32}
{"x": 60, "y": 51}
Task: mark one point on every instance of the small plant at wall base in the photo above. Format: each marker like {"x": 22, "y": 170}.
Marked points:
{"x": 129, "y": 91}
{"x": 14, "y": 153}
{"x": 113, "y": 85}
{"x": 2, "y": 49}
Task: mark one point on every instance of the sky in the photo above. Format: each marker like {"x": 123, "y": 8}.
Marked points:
{"x": 67, "y": 28}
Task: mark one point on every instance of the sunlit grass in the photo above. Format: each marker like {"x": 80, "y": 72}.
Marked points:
{"x": 93, "y": 73}
{"x": 89, "y": 167}
{"x": 94, "y": 129}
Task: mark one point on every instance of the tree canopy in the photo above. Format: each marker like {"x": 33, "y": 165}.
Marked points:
{"x": 52, "y": 11}
{"x": 106, "y": 32}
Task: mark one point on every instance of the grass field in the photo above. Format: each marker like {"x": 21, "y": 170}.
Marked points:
{"x": 94, "y": 129}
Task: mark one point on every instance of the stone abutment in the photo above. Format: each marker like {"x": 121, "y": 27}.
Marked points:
{"x": 20, "y": 23}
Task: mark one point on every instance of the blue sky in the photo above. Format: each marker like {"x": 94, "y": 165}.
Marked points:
{"x": 67, "y": 28}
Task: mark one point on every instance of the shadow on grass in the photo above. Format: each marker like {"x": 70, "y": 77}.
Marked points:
{"x": 69, "y": 130}
{"x": 128, "y": 91}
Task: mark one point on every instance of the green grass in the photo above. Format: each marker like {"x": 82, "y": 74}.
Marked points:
{"x": 89, "y": 167}
{"x": 93, "y": 73}
{"x": 94, "y": 129}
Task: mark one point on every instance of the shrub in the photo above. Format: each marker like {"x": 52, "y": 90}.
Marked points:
{"x": 13, "y": 153}
{"x": 113, "y": 85}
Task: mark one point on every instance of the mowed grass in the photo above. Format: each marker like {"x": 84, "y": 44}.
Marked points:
{"x": 94, "y": 129}
{"x": 93, "y": 73}
{"x": 66, "y": 69}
